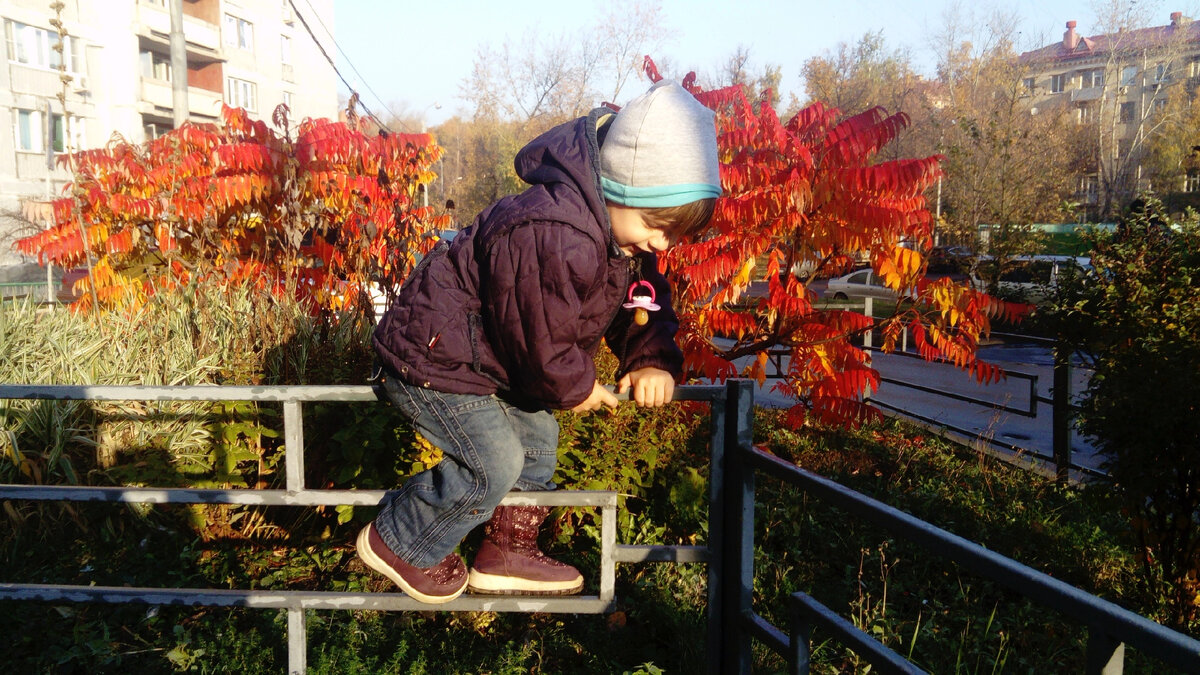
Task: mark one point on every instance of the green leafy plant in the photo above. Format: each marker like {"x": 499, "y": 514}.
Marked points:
{"x": 1135, "y": 319}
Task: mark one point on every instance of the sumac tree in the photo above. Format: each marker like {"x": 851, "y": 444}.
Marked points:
{"x": 318, "y": 214}
{"x": 808, "y": 194}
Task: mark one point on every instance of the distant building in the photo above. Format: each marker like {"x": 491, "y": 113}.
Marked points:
{"x": 1120, "y": 81}
{"x": 253, "y": 54}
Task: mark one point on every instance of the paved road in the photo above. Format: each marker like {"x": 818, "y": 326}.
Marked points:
{"x": 1025, "y": 439}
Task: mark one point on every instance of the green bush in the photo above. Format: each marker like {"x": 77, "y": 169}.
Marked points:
{"x": 1135, "y": 319}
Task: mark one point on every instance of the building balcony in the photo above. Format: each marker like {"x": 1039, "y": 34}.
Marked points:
{"x": 157, "y": 99}
{"x": 1086, "y": 94}
{"x": 153, "y": 27}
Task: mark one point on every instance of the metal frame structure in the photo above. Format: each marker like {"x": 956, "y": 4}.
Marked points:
{"x": 296, "y": 494}
{"x": 1110, "y": 626}
{"x": 732, "y": 622}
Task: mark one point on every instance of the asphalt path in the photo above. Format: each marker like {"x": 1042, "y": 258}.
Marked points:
{"x": 993, "y": 418}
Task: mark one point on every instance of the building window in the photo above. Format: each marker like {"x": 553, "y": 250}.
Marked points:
{"x": 154, "y": 130}
{"x": 1058, "y": 83}
{"x": 1191, "y": 181}
{"x": 239, "y": 32}
{"x": 241, "y": 94}
{"x": 1160, "y": 104}
{"x": 1092, "y": 78}
{"x": 34, "y": 46}
{"x": 1089, "y": 188}
{"x": 1128, "y": 75}
{"x": 1086, "y": 113}
{"x": 287, "y": 100}
{"x": 30, "y": 134}
{"x": 29, "y": 130}
{"x": 1128, "y": 110}
{"x": 155, "y": 66}
{"x": 285, "y": 50}
{"x": 61, "y": 127}
{"x": 1162, "y": 72}
{"x": 1028, "y": 84}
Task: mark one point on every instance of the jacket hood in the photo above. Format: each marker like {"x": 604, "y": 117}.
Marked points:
{"x": 568, "y": 157}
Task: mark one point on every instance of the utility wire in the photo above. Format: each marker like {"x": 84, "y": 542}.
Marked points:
{"x": 317, "y": 16}
{"x": 317, "y": 42}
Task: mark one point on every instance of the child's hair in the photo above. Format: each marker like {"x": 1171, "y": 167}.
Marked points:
{"x": 684, "y": 221}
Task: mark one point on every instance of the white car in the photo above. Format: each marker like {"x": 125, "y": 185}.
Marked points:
{"x": 1031, "y": 278}
{"x": 859, "y": 284}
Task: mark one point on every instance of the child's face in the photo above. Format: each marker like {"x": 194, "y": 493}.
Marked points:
{"x": 633, "y": 234}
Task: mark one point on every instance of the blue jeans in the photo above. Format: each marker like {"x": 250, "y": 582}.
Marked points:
{"x": 489, "y": 447}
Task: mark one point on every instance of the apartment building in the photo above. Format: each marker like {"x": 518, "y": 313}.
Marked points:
{"x": 1117, "y": 82}
{"x": 253, "y": 54}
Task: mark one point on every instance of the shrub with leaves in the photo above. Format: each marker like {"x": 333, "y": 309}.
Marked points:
{"x": 810, "y": 194}
{"x": 317, "y": 215}
{"x": 1136, "y": 318}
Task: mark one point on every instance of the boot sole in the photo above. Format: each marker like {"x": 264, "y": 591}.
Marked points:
{"x": 376, "y": 563}
{"x": 495, "y": 584}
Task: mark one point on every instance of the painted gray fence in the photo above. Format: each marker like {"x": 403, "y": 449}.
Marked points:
{"x": 296, "y": 494}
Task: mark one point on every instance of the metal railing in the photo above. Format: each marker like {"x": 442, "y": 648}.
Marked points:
{"x": 296, "y": 494}
{"x": 1110, "y": 627}
{"x": 729, "y": 553}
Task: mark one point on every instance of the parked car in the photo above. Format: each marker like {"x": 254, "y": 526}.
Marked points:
{"x": 950, "y": 260}
{"x": 1030, "y": 278}
{"x": 859, "y": 284}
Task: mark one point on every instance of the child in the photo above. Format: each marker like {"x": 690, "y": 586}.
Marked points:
{"x": 497, "y": 328}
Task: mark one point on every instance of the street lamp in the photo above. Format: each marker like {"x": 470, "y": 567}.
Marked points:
{"x": 425, "y": 188}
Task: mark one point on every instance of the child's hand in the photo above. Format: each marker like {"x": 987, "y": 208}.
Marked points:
{"x": 600, "y": 397}
{"x": 652, "y": 387}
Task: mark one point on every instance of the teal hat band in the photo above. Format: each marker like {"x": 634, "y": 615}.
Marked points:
{"x": 657, "y": 196}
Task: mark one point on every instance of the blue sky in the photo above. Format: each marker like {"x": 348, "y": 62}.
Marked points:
{"x": 411, "y": 57}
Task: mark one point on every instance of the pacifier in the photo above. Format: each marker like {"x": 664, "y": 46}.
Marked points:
{"x": 642, "y": 304}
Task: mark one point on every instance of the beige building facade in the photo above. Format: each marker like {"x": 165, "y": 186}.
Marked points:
{"x": 1118, "y": 85}
{"x": 253, "y": 54}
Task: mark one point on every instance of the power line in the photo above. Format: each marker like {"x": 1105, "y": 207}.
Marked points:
{"x": 346, "y": 56}
{"x": 317, "y": 42}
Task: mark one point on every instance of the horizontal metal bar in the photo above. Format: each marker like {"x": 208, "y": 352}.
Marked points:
{"x": 1015, "y": 374}
{"x": 261, "y": 599}
{"x": 875, "y": 652}
{"x": 276, "y": 497}
{"x": 1025, "y": 338}
{"x": 205, "y": 392}
{"x": 661, "y": 553}
{"x": 763, "y": 631}
{"x": 1137, "y": 631}
{"x": 960, "y": 397}
{"x": 961, "y": 430}
{"x": 1049, "y": 400}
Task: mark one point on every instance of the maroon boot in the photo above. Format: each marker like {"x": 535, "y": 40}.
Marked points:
{"x": 509, "y": 561}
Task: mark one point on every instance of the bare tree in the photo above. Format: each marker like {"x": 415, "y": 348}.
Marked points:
{"x": 630, "y": 30}
{"x": 1141, "y": 64}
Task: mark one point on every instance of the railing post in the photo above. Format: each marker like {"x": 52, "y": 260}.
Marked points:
{"x": 799, "y": 651}
{"x": 1105, "y": 654}
{"x": 293, "y": 445}
{"x": 1061, "y": 411}
{"x": 297, "y": 641}
{"x": 714, "y": 648}
{"x": 737, "y": 576}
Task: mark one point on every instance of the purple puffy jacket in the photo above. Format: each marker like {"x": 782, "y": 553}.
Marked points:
{"x": 518, "y": 302}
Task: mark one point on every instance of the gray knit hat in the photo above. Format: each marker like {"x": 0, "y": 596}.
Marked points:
{"x": 661, "y": 150}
